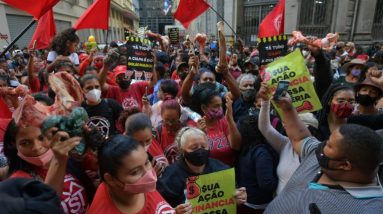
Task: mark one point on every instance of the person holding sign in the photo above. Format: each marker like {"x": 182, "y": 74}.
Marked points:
{"x": 125, "y": 89}
{"x": 128, "y": 180}
{"x": 348, "y": 163}
{"x": 194, "y": 160}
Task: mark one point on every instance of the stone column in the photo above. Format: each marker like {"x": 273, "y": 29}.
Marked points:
{"x": 291, "y": 15}
{"x": 364, "y": 21}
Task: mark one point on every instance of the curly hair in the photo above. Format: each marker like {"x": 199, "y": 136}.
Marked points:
{"x": 59, "y": 42}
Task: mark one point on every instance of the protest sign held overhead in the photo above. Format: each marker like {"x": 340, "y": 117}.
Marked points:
{"x": 139, "y": 54}
{"x": 272, "y": 48}
{"x": 173, "y": 34}
{"x": 301, "y": 89}
{"x": 212, "y": 193}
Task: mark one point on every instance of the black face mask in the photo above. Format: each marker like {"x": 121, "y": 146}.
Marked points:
{"x": 124, "y": 84}
{"x": 198, "y": 157}
{"x": 249, "y": 95}
{"x": 323, "y": 160}
{"x": 365, "y": 100}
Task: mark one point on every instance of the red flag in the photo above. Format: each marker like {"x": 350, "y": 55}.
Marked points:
{"x": 188, "y": 10}
{"x": 273, "y": 23}
{"x": 36, "y": 8}
{"x": 45, "y": 31}
{"x": 96, "y": 16}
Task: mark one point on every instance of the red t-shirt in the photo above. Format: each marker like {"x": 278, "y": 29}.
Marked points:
{"x": 35, "y": 85}
{"x": 135, "y": 91}
{"x": 73, "y": 197}
{"x": 166, "y": 141}
{"x": 102, "y": 203}
{"x": 175, "y": 76}
{"x": 157, "y": 153}
{"x": 218, "y": 142}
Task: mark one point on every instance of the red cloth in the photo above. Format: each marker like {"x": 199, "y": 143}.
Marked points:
{"x": 273, "y": 23}
{"x": 111, "y": 79}
{"x": 36, "y": 8}
{"x": 219, "y": 145}
{"x": 102, "y": 203}
{"x": 188, "y": 10}
{"x": 175, "y": 76}
{"x": 35, "y": 85}
{"x": 96, "y": 16}
{"x": 83, "y": 66}
{"x": 157, "y": 153}
{"x": 135, "y": 91}
{"x": 4, "y": 109}
{"x": 73, "y": 197}
{"x": 45, "y": 31}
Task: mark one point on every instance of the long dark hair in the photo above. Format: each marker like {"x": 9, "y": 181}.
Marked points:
{"x": 113, "y": 151}
{"x": 326, "y": 99}
{"x": 59, "y": 42}
{"x": 16, "y": 163}
{"x": 203, "y": 93}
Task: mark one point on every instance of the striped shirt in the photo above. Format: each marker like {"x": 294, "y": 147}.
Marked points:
{"x": 299, "y": 195}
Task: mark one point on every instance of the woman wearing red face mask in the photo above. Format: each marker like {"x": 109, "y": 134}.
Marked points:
{"x": 128, "y": 180}
{"x": 338, "y": 105}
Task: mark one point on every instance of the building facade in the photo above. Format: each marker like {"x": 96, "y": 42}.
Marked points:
{"x": 152, "y": 15}
{"x": 66, "y": 13}
{"x": 207, "y": 22}
{"x": 355, "y": 20}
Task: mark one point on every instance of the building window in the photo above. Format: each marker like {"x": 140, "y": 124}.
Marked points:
{"x": 253, "y": 16}
{"x": 377, "y": 25}
{"x": 315, "y": 17}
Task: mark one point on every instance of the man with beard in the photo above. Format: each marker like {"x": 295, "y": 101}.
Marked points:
{"x": 125, "y": 89}
{"x": 367, "y": 95}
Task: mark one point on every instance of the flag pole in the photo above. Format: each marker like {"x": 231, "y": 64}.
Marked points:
{"x": 18, "y": 37}
{"x": 106, "y": 41}
{"x": 219, "y": 15}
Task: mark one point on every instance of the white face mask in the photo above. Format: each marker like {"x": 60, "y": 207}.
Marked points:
{"x": 93, "y": 95}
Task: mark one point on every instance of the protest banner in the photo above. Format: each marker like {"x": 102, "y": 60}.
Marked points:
{"x": 212, "y": 193}
{"x": 174, "y": 36}
{"x": 301, "y": 89}
{"x": 272, "y": 48}
{"x": 139, "y": 56}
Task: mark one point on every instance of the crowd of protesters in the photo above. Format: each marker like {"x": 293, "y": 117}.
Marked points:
{"x": 146, "y": 134}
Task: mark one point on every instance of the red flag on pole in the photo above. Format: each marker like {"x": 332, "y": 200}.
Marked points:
{"x": 36, "y": 8}
{"x": 273, "y": 23}
{"x": 96, "y": 16}
{"x": 45, "y": 31}
{"x": 188, "y": 10}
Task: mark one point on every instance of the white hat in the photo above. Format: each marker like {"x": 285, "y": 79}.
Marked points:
{"x": 17, "y": 52}
{"x": 309, "y": 119}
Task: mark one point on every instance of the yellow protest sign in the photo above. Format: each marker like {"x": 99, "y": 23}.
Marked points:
{"x": 301, "y": 89}
{"x": 212, "y": 193}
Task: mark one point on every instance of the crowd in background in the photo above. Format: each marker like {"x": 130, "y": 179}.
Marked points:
{"x": 145, "y": 133}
